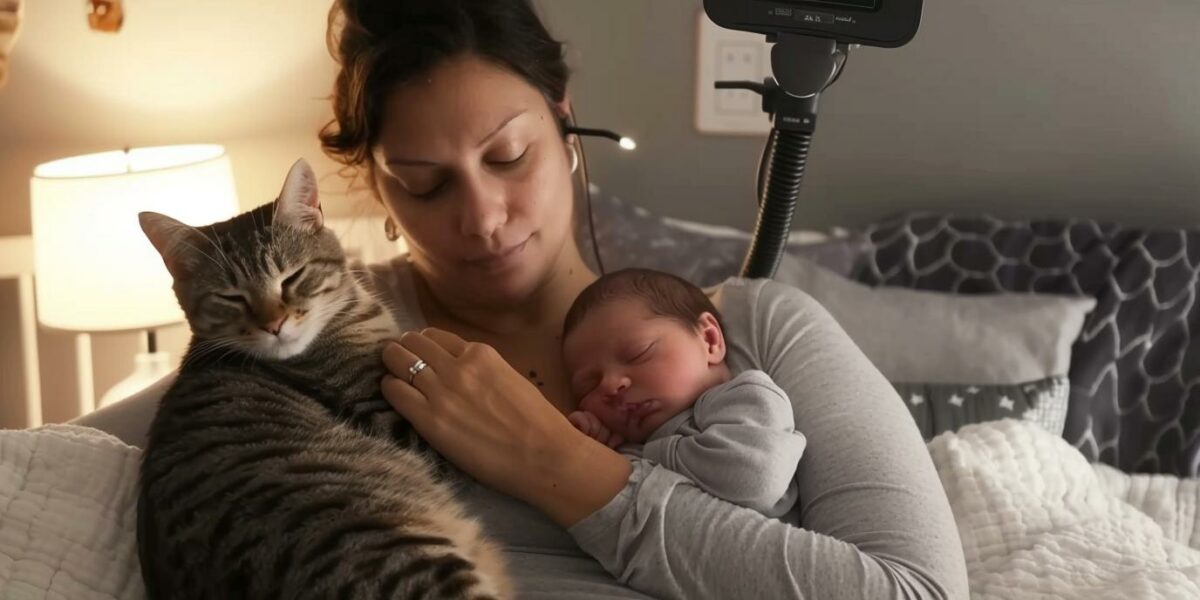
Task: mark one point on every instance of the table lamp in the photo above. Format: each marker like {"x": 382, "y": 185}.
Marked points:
{"x": 95, "y": 271}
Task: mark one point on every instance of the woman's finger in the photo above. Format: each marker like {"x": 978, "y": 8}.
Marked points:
{"x": 407, "y": 400}
{"x": 398, "y": 359}
{"x": 428, "y": 350}
{"x": 453, "y": 344}
{"x": 400, "y": 362}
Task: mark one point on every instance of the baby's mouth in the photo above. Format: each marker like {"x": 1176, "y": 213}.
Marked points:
{"x": 636, "y": 412}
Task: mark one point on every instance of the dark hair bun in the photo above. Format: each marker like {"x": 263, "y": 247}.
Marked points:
{"x": 382, "y": 43}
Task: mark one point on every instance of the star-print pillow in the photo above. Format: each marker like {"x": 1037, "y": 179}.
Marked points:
{"x": 942, "y": 407}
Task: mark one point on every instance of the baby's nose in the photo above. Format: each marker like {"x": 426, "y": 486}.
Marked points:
{"x": 615, "y": 385}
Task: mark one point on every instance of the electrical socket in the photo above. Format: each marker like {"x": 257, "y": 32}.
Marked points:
{"x": 723, "y": 55}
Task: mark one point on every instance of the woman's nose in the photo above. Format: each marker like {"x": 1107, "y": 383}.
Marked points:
{"x": 484, "y": 206}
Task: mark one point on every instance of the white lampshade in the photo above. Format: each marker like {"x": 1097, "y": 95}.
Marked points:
{"x": 95, "y": 270}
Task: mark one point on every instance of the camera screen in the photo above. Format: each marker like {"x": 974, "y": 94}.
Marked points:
{"x": 864, "y": 4}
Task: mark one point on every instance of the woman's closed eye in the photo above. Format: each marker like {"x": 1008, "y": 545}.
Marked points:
{"x": 509, "y": 158}
{"x": 433, "y": 191}
{"x": 504, "y": 159}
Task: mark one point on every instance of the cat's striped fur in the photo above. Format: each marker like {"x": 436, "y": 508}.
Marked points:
{"x": 274, "y": 468}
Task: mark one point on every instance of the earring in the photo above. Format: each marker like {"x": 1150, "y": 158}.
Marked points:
{"x": 390, "y": 230}
{"x": 574, "y": 158}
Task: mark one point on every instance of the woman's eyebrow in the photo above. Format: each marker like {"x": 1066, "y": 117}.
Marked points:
{"x": 406, "y": 162}
{"x": 502, "y": 125}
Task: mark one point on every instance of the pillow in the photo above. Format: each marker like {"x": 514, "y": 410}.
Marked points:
{"x": 630, "y": 236}
{"x": 942, "y": 407}
{"x": 1134, "y": 369}
{"x": 934, "y": 337}
{"x": 957, "y": 359}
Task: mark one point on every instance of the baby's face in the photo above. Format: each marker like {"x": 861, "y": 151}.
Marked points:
{"x": 635, "y": 370}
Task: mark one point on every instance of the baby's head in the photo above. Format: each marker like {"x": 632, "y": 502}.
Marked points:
{"x": 640, "y": 347}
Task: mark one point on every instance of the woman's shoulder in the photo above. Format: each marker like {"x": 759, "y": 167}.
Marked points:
{"x": 760, "y": 298}
{"x": 391, "y": 282}
{"x": 763, "y": 317}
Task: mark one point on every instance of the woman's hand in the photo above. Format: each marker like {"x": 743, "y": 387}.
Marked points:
{"x": 492, "y": 423}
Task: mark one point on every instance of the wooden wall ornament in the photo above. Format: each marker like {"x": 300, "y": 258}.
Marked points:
{"x": 105, "y": 15}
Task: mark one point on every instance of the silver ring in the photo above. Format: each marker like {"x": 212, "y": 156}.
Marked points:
{"x": 416, "y": 368}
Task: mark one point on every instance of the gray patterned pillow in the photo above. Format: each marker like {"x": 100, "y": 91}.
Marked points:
{"x": 631, "y": 236}
{"x": 942, "y": 407}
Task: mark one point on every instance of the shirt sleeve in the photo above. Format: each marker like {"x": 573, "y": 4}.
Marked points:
{"x": 746, "y": 450}
{"x": 874, "y": 520}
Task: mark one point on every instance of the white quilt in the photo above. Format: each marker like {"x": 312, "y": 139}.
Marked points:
{"x": 1036, "y": 520}
{"x": 68, "y": 516}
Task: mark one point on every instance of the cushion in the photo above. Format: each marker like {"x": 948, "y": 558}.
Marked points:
{"x": 941, "y": 407}
{"x": 630, "y": 236}
{"x": 928, "y": 337}
{"x": 129, "y": 420}
{"x": 957, "y": 360}
{"x": 1134, "y": 371}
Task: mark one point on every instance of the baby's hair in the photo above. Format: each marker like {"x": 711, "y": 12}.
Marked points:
{"x": 664, "y": 294}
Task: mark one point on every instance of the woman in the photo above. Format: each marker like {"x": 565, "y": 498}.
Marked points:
{"x": 453, "y": 110}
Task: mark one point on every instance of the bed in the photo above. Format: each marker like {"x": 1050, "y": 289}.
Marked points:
{"x": 1058, "y": 411}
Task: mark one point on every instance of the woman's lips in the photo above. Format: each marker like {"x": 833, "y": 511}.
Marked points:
{"x": 500, "y": 260}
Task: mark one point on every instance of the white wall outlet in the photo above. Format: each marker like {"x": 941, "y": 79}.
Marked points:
{"x": 721, "y": 55}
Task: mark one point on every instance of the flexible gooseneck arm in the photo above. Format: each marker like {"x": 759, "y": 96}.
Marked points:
{"x": 804, "y": 67}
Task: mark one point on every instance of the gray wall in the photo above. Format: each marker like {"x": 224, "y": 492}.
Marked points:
{"x": 1020, "y": 108}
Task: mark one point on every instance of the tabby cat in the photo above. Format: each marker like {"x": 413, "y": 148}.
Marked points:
{"x": 274, "y": 467}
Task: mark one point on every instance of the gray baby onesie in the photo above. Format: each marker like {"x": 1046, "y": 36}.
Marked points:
{"x": 738, "y": 441}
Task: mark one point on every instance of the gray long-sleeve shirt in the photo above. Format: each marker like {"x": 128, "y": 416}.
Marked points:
{"x": 872, "y": 520}
{"x": 738, "y": 442}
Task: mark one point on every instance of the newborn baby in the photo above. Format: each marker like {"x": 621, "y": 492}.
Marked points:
{"x": 646, "y": 355}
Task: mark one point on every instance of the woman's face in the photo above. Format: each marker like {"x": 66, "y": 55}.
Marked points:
{"x": 471, "y": 165}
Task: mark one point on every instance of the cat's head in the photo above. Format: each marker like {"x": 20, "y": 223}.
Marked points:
{"x": 266, "y": 281}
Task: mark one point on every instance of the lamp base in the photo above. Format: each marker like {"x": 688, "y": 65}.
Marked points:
{"x": 148, "y": 367}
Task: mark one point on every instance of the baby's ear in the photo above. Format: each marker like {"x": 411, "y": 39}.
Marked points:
{"x": 175, "y": 241}
{"x": 298, "y": 205}
{"x": 714, "y": 338}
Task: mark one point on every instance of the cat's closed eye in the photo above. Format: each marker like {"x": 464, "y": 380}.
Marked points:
{"x": 294, "y": 277}
{"x": 233, "y": 298}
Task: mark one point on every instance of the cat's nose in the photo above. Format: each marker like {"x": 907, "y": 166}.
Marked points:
{"x": 274, "y": 327}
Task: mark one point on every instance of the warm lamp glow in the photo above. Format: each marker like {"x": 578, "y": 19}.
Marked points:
{"x": 95, "y": 269}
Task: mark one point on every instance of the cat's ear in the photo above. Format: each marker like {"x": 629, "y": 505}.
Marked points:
{"x": 175, "y": 241}
{"x": 298, "y": 205}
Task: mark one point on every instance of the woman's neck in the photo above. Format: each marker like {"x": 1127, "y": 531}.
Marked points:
{"x": 543, "y": 310}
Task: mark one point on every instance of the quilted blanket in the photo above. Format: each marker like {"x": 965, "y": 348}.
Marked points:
{"x": 1036, "y": 520}
{"x": 68, "y": 515}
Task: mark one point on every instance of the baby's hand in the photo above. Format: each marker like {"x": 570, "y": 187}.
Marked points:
{"x": 591, "y": 426}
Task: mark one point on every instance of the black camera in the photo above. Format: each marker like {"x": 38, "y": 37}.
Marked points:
{"x": 886, "y": 23}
